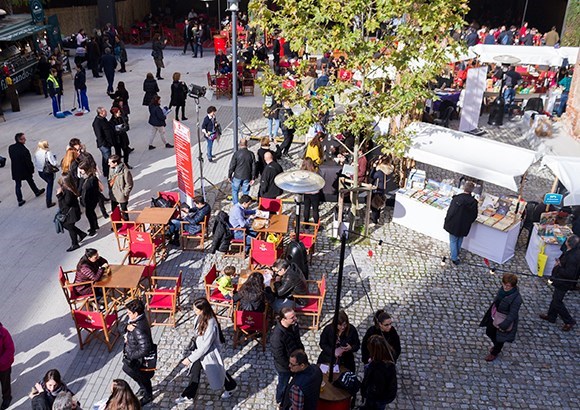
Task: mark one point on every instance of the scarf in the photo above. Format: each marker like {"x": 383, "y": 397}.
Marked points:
{"x": 502, "y": 294}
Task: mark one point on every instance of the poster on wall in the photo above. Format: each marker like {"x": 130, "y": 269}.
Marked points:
{"x": 183, "y": 162}
{"x": 474, "y": 89}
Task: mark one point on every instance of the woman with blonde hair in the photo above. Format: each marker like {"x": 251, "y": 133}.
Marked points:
{"x": 42, "y": 158}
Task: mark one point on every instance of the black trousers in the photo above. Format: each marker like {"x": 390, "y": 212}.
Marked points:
{"x": 491, "y": 332}
{"x": 142, "y": 378}
{"x": 74, "y": 233}
{"x": 186, "y": 43}
{"x": 177, "y": 112}
{"x": 122, "y": 206}
{"x": 311, "y": 201}
{"x": 194, "y": 375}
{"x": 92, "y": 216}
{"x": 286, "y": 143}
{"x": 557, "y": 307}
{"x": 5, "y": 383}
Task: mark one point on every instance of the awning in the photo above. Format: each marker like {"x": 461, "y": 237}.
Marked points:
{"x": 567, "y": 170}
{"x": 466, "y": 154}
{"x": 21, "y": 32}
{"x": 549, "y": 56}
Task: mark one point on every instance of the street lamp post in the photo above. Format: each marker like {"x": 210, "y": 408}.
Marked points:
{"x": 234, "y": 9}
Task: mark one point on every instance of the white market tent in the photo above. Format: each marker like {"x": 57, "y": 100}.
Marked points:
{"x": 477, "y": 157}
{"x": 567, "y": 170}
{"x": 549, "y": 56}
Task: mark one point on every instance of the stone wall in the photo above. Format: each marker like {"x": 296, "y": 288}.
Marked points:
{"x": 572, "y": 121}
{"x": 71, "y": 19}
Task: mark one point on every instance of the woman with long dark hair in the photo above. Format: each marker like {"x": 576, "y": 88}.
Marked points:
{"x": 311, "y": 199}
{"x": 383, "y": 326}
{"x": 90, "y": 195}
{"x": 251, "y": 295}
{"x": 178, "y": 96}
{"x": 68, "y": 204}
{"x": 157, "y": 121}
{"x": 89, "y": 269}
{"x": 45, "y": 391}
{"x": 150, "y": 88}
{"x": 379, "y": 386}
{"x": 314, "y": 149}
{"x": 205, "y": 353}
{"x": 121, "y": 126}
{"x": 343, "y": 345}
{"x": 122, "y": 397}
{"x": 121, "y": 94}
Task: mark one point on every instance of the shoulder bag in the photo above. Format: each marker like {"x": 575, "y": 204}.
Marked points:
{"x": 498, "y": 319}
{"x": 149, "y": 361}
{"x": 48, "y": 168}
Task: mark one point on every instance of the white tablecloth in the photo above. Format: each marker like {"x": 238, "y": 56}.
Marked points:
{"x": 553, "y": 252}
{"x": 493, "y": 244}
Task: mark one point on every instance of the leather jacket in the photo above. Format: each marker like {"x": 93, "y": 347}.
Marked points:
{"x": 139, "y": 341}
{"x": 292, "y": 283}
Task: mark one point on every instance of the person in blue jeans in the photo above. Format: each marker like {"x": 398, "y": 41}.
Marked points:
{"x": 209, "y": 131}
{"x": 242, "y": 171}
{"x": 461, "y": 214}
{"x": 193, "y": 216}
{"x": 241, "y": 217}
{"x": 565, "y": 82}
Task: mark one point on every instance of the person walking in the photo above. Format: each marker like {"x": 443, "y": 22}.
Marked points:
{"x": 311, "y": 199}
{"x": 90, "y": 194}
{"x": 22, "y": 167}
{"x": 284, "y": 339}
{"x": 105, "y": 137}
{"x": 138, "y": 344}
{"x": 461, "y": 214}
{"x": 46, "y": 165}
{"x": 205, "y": 354}
{"x": 343, "y": 345}
{"x": 268, "y": 189}
{"x": 68, "y": 204}
{"x": 502, "y": 317}
{"x": 242, "y": 170}
{"x": 260, "y": 163}
{"x": 157, "y": 121}
{"x": 120, "y": 184}
{"x": 303, "y": 390}
{"x": 121, "y": 99}
{"x": 199, "y": 38}
{"x": 6, "y": 360}
{"x": 284, "y": 115}
{"x": 383, "y": 326}
{"x": 80, "y": 83}
{"x": 120, "y": 53}
{"x": 109, "y": 64}
{"x": 121, "y": 126}
{"x": 565, "y": 276}
{"x": 188, "y": 37}
{"x": 157, "y": 54}
{"x": 178, "y": 96}
{"x": 55, "y": 92}
{"x": 379, "y": 385}
{"x": 210, "y": 130}
{"x": 271, "y": 111}
{"x": 150, "y": 88}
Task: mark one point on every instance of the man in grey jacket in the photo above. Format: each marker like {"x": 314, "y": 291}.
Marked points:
{"x": 120, "y": 183}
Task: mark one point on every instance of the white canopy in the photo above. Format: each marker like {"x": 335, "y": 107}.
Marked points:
{"x": 549, "y": 56}
{"x": 567, "y": 169}
{"x": 466, "y": 154}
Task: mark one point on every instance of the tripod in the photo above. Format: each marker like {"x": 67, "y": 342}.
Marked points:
{"x": 249, "y": 132}
{"x": 201, "y": 178}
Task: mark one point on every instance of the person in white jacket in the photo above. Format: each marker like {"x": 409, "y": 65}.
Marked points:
{"x": 205, "y": 353}
{"x": 42, "y": 156}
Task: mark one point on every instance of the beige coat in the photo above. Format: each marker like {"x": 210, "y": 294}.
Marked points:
{"x": 120, "y": 183}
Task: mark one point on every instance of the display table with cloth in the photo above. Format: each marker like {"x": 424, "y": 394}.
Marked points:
{"x": 551, "y": 250}
{"x": 445, "y": 95}
{"x": 488, "y": 242}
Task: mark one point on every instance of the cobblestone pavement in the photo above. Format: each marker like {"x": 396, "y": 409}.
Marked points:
{"x": 436, "y": 309}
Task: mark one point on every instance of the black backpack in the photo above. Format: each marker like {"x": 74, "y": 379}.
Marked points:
{"x": 161, "y": 202}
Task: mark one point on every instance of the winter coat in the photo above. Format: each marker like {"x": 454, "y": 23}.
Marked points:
{"x": 178, "y": 94}
{"x": 68, "y": 204}
{"x": 156, "y": 116}
{"x": 157, "y": 52}
{"x": 20, "y": 162}
{"x": 104, "y": 132}
{"x": 122, "y": 95}
{"x": 461, "y": 214}
{"x": 93, "y": 55}
{"x": 121, "y": 137}
{"x": 120, "y": 183}
{"x": 207, "y": 350}
{"x": 90, "y": 192}
{"x": 380, "y": 382}
{"x": 328, "y": 344}
{"x": 6, "y": 349}
{"x": 151, "y": 89}
{"x": 89, "y": 272}
{"x": 195, "y": 217}
{"x": 81, "y": 80}
{"x": 109, "y": 63}
{"x": 268, "y": 189}
{"x": 242, "y": 165}
{"x": 566, "y": 274}
{"x": 510, "y": 306}
{"x": 221, "y": 233}
{"x": 392, "y": 338}
{"x": 308, "y": 382}
{"x": 260, "y": 164}
{"x": 292, "y": 283}
{"x": 283, "y": 341}
{"x": 139, "y": 341}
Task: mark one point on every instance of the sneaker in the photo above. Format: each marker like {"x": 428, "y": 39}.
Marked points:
{"x": 151, "y": 147}
{"x": 39, "y": 193}
{"x": 168, "y": 145}
{"x": 183, "y": 400}
{"x": 73, "y": 248}
{"x": 20, "y": 203}
{"x": 82, "y": 236}
{"x": 50, "y": 205}
{"x": 92, "y": 233}
{"x": 228, "y": 393}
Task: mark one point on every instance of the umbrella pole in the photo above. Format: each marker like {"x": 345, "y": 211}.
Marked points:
{"x": 298, "y": 201}
{"x": 337, "y": 301}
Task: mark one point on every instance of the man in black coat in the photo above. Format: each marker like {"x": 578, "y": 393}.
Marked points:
{"x": 284, "y": 340}
{"x": 22, "y": 167}
{"x": 287, "y": 282}
{"x": 105, "y": 137}
{"x": 565, "y": 277}
{"x": 461, "y": 214}
{"x": 138, "y": 344}
{"x": 109, "y": 63}
{"x": 188, "y": 36}
{"x": 242, "y": 170}
{"x": 268, "y": 189}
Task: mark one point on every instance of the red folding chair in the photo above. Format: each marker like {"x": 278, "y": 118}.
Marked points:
{"x": 142, "y": 251}
{"x": 271, "y": 205}
{"x": 263, "y": 254}
{"x": 251, "y": 325}
{"x": 96, "y": 324}
{"x": 224, "y": 307}
{"x": 164, "y": 300}
{"x": 69, "y": 288}
{"x": 223, "y": 86}
{"x": 121, "y": 228}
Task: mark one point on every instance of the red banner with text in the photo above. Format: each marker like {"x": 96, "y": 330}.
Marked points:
{"x": 182, "y": 138}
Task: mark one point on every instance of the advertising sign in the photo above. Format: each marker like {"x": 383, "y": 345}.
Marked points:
{"x": 474, "y": 89}
{"x": 553, "y": 199}
{"x": 182, "y": 137}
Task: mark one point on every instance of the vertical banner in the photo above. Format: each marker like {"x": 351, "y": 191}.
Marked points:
{"x": 182, "y": 141}
{"x": 474, "y": 89}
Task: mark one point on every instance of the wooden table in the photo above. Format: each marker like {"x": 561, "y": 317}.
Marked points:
{"x": 278, "y": 225}
{"x": 333, "y": 398}
{"x": 122, "y": 281}
{"x": 245, "y": 274}
{"x": 157, "y": 219}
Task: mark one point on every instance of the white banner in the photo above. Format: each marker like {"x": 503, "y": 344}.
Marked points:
{"x": 474, "y": 89}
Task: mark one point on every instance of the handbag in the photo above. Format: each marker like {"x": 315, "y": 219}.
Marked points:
{"x": 348, "y": 381}
{"x": 149, "y": 361}
{"x": 48, "y": 168}
{"x": 542, "y": 259}
{"x": 498, "y": 319}
{"x": 61, "y": 217}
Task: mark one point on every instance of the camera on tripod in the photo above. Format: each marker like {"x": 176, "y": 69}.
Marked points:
{"x": 196, "y": 91}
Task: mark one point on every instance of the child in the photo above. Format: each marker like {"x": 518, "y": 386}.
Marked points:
{"x": 224, "y": 282}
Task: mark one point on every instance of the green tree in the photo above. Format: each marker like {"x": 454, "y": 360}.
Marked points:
{"x": 392, "y": 72}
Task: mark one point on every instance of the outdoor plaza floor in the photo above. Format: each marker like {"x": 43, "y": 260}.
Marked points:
{"x": 436, "y": 309}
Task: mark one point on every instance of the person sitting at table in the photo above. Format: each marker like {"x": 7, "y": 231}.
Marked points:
{"x": 224, "y": 282}
{"x": 252, "y": 295}
{"x": 222, "y": 63}
{"x": 343, "y": 346}
{"x": 193, "y": 216}
{"x": 287, "y": 282}
{"x": 383, "y": 326}
{"x": 241, "y": 217}
{"x": 379, "y": 385}
{"x": 89, "y": 269}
